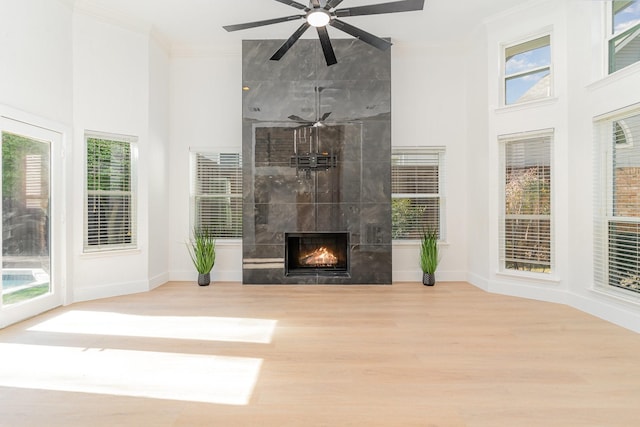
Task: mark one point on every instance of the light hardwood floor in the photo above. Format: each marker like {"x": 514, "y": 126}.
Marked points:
{"x": 400, "y": 355}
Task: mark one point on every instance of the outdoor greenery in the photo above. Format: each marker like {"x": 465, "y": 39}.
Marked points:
{"x": 24, "y": 216}
{"x": 404, "y": 217}
{"x": 109, "y": 186}
{"x": 527, "y": 223}
{"x": 25, "y": 294}
{"x": 202, "y": 250}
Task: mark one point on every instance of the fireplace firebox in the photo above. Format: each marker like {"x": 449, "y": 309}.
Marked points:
{"x": 317, "y": 253}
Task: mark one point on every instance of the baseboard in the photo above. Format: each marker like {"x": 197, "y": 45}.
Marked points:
{"x": 416, "y": 276}
{"x": 106, "y": 291}
{"x": 217, "y": 275}
{"x": 604, "y": 310}
{"x": 158, "y": 280}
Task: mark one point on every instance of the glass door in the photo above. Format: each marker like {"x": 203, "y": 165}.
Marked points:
{"x": 27, "y": 287}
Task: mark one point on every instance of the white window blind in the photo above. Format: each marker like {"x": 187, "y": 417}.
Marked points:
{"x": 527, "y": 70}
{"x": 110, "y": 202}
{"x": 217, "y": 193}
{"x": 525, "y": 219}
{"x": 624, "y": 34}
{"x": 417, "y": 183}
{"x": 617, "y": 221}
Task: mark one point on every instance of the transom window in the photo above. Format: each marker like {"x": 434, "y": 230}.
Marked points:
{"x": 216, "y": 196}
{"x": 624, "y": 34}
{"x": 525, "y": 218}
{"x": 527, "y": 70}
{"x": 417, "y": 187}
{"x": 110, "y": 192}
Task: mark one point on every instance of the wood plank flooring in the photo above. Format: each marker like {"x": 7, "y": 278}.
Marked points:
{"x": 400, "y": 355}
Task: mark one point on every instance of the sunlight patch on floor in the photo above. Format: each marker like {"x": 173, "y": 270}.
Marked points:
{"x": 184, "y": 377}
{"x": 207, "y": 328}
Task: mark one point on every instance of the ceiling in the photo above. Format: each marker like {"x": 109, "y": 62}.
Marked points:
{"x": 198, "y": 23}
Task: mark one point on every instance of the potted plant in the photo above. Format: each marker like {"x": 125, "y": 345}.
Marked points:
{"x": 429, "y": 256}
{"x": 202, "y": 250}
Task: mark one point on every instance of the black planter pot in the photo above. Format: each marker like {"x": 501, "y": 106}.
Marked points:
{"x": 204, "y": 279}
{"x": 428, "y": 279}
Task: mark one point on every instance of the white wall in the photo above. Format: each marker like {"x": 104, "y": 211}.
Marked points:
{"x": 158, "y": 164}
{"x": 111, "y": 94}
{"x": 36, "y": 87}
{"x": 429, "y": 102}
{"x": 206, "y": 113}
{"x": 581, "y": 92}
{"x": 36, "y": 55}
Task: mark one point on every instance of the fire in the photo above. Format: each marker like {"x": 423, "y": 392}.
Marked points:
{"x": 320, "y": 256}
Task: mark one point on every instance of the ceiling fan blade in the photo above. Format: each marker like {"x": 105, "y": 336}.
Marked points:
{"x": 332, "y": 3}
{"x": 298, "y": 119}
{"x": 356, "y": 32}
{"x": 374, "y": 9}
{"x": 325, "y": 116}
{"x": 261, "y": 23}
{"x": 294, "y": 4}
{"x": 289, "y": 42}
{"x": 327, "y": 49}
{"x": 315, "y": 3}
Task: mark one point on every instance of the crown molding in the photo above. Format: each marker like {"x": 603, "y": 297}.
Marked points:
{"x": 112, "y": 16}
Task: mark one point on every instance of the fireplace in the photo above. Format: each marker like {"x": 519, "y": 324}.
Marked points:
{"x": 317, "y": 253}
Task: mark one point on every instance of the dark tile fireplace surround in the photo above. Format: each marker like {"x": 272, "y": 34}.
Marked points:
{"x": 317, "y": 199}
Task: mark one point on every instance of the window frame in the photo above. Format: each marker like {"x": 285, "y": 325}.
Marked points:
{"x": 503, "y": 216}
{"x": 133, "y": 192}
{"x": 193, "y": 180}
{"x": 611, "y": 36}
{"x": 504, "y": 77}
{"x": 605, "y": 190}
{"x": 440, "y": 152}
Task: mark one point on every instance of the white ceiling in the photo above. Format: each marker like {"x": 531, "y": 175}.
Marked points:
{"x": 198, "y": 23}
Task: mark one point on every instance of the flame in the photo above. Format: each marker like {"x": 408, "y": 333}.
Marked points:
{"x": 320, "y": 256}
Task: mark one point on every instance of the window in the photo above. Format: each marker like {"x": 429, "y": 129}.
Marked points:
{"x": 525, "y": 218}
{"x": 624, "y": 34}
{"x": 110, "y": 197}
{"x": 617, "y": 222}
{"x": 527, "y": 71}
{"x": 417, "y": 183}
{"x": 216, "y": 196}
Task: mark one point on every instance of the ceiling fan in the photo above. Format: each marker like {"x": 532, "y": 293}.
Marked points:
{"x": 321, "y": 13}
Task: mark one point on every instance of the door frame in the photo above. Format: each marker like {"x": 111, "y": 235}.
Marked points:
{"x": 31, "y": 126}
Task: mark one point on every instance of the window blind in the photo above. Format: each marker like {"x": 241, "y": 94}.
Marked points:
{"x": 416, "y": 186}
{"x": 617, "y": 222}
{"x": 217, "y": 193}
{"x": 525, "y": 220}
{"x": 109, "y": 197}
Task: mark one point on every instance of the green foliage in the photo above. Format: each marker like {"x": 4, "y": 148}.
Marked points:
{"x": 429, "y": 256}
{"x": 108, "y": 165}
{"x": 404, "y": 217}
{"x": 202, "y": 250}
{"x": 14, "y": 150}
{"x": 25, "y": 294}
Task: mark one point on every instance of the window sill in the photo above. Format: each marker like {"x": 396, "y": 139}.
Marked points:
{"x": 612, "y": 292}
{"x": 530, "y": 277}
{"x": 609, "y": 79}
{"x": 111, "y": 253}
{"x": 414, "y": 242}
{"x": 526, "y": 105}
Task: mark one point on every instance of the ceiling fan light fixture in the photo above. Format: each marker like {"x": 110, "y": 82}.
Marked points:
{"x": 318, "y": 18}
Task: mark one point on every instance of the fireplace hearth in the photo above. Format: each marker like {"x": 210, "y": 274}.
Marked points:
{"x": 323, "y": 254}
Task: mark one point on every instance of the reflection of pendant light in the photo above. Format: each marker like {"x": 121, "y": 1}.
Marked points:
{"x": 318, "y": 18}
